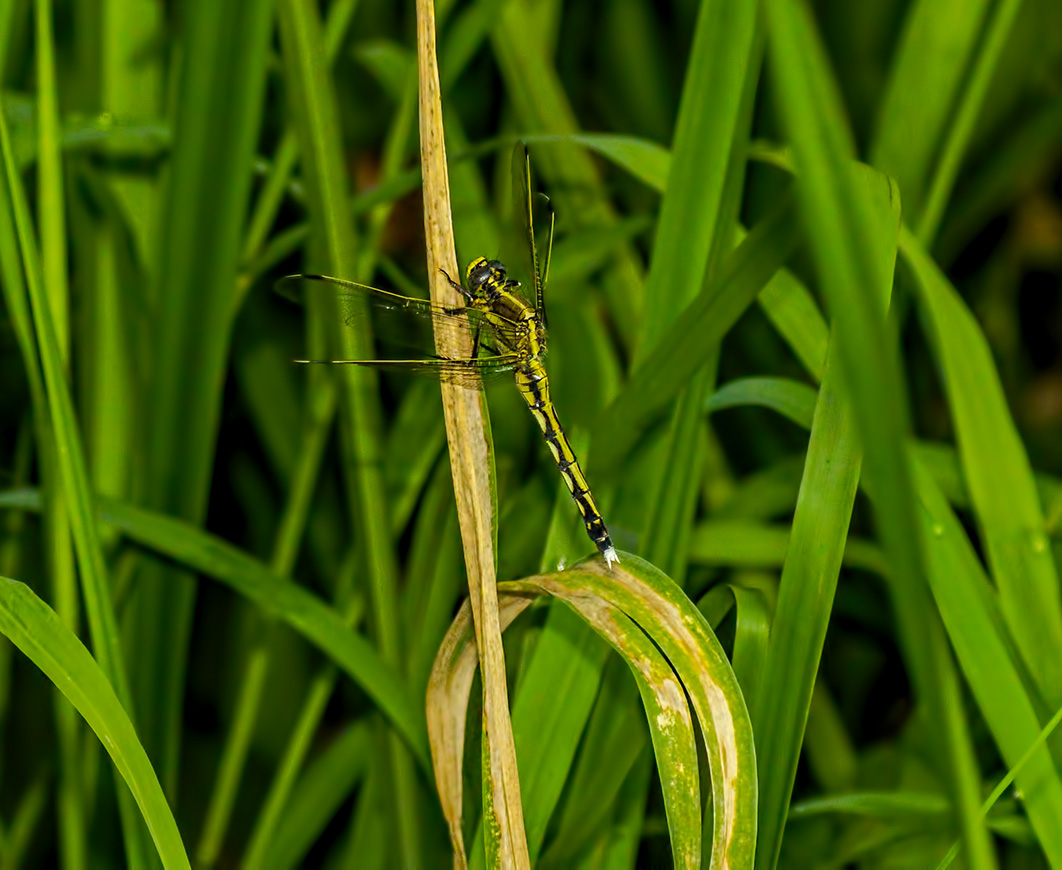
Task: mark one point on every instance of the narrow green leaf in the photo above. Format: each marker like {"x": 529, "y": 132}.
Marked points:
{"x": 645, "y": 160}
{"x": 73, "y": 812}
{"x": 887, "y": 805}
{"x": 925, "y": 78}
{"x": 669, "y": 619}
{"x": 997, "y": 473}
{"x": 595, "y": 789}
{"x": 692, "y": 336}
{"x": 390, "y": 63}
{"x": 219, "y": 104}
{"x": 25, "y": 822}
{"x": 856, "y": 216}
{"x": 305, "y": 612}
{"x": 751, "y": 633}
{"x": 326, "y": 784}
{"x": 969, "y": 108}
{"x": 791, "y": 308}
{"x": 217, "y": 109}
{"x": 72, "y": 473}
{"x": 808, "y": 584}
{"x": 970, "y": 611}
{"x": 541, "y": 105}
{"x": 694, "y": 233}
{"x": 35, "y": 629}
{"x": 746, "y": 544}
{"x": 50, "y": 183}
{"x": 312, "y": 101}
{"x": 567, "y": 664}
{"x": 789, "y": 398}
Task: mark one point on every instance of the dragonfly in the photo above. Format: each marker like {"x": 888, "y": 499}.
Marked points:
{"x": 508, "y": 325}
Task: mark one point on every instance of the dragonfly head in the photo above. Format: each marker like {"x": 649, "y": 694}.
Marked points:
{"x": 484, "y": 275}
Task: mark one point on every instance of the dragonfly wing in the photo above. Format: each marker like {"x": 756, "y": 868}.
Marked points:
{"x": 531, "y": 212}
{"x": 470, "y": 372}
{"x": 397, "y": 319}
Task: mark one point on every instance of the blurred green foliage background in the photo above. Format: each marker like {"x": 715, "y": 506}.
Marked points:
{"x": 276, "y": 556}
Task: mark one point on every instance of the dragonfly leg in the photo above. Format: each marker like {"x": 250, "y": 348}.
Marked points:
{"x": 460, "y": 288}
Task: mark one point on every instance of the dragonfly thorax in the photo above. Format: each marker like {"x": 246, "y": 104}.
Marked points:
{"x": 490, "y": 290}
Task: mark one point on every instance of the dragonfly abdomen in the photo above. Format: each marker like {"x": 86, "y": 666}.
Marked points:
{"x": 534, "y": 387}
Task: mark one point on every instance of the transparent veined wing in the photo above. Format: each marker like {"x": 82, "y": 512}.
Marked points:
{"x": 532, "y": 218}
{"x": 361, "y": 300}
{"x": 462, "y": 372}
{"x": 408, "y": 322}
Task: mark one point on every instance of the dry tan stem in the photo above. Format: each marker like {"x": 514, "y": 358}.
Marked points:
{"x": 470, "y": 464}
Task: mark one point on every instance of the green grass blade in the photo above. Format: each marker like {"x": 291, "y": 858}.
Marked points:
{"x": 751, "y": 633}
{"x": 694, "y": 233}
{"x": 217, "y": 110}
{"x": 73, "y": 812}
{"x": 206, "y": 201}
{"x": 9, "y": 13}
{"x": 35, "y": 629}
{"x": 234, "y": 754}
{"x": 318, "y": 695}
{"x": 647, "y": 161}
{"x": 25, "y": 821}
{"x": 789, "y": 398}
{"x": 120, "y": 253}
{"x": 320, "y": 145}
{"x": 795, "y": 315}
{"x": 286, "y": 601}
{"x": 72, "y": 473}
{"x": 997, "y": 473}
{"x": 805, "y": 601}
{"x": 464, "y": 36}
{"x": 962, "y": 127}
{"x": 926, "y": 75}
{"x": 688, "y": 341}
{"x": 694, "y": 211}
{"x": 50, "y": 183}
{"x": 302, "y": 610}
{"x": 321, "y": 791}
{"x": 748, "y": 544}
{"x": 669, "y": 619}
{"x": 861, "y": 214}
{"x": 541, "y": 105}
{"x": 436, "y": 576}
{"x": 567, "y": 664}
{"x": 968, "y": 608}
{"x": 284, "y": 160}
{"x": 768, "y": 493}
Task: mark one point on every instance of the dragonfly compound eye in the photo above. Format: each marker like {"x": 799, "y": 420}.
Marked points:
{"x": 479, "y": 271}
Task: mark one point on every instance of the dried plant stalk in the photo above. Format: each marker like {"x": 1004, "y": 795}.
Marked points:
{"x": 471, "y": 464}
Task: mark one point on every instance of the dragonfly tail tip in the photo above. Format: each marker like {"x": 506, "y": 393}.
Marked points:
{"x": 610, "y": 556}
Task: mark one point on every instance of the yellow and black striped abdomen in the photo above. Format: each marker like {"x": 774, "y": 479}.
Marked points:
{"x": 534, "y": 387}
